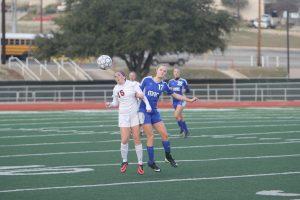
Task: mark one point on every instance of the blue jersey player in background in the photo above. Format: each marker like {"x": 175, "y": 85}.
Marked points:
{"x": 153, "y": 87}
{"x": 179, "y": 86}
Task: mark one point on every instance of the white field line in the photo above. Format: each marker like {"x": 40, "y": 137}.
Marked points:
{"x": 293, "y": 139}
{"x": 104, "y": 112}
{"x": 156, "y": 138}
{"x": 235, "y": 122}
{"x": 56, "y": 135}
{"x": 112, "y": 117}
{"x": 171, "y": 121}
{"x": 63, "y": 112}
{"x": 201, "y": 160}
{"x": 166, "y": 118}
{"x": 197, "y": 128}
{"x": 73, "y": 132}
{"x": 42, "y": 167}
{"x": 60, "y": 122}
{"x": 269, "y": 139}
{"x": 154, "y": 181}
{"x": 221, "y": 136}
{"x": 69, "y": 119}
{"x": 68, "y": 133}
{"x": 115, "y": 111}
{"x": 117, "y": 150}
{"x": 43, "y": 129}
{"x": 165, "y": 113}
{"x": 245, "y": 138}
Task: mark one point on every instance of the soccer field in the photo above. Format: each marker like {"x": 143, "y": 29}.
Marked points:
{"x": 231, "y": 154}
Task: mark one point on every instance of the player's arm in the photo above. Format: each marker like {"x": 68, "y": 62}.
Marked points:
{"x": 115, "y": 101}
{"x": 184, "y": 98}
{"x": 139, "y": 94}
{"x": 178, "y": 96}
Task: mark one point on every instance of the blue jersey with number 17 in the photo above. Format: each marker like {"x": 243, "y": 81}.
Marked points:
{"x": 152, "y": 91}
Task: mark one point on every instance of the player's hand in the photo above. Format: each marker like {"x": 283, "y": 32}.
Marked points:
{"x": 107, "y": 104}
{"x": 139, "y": 95}
{"x": 194, "y": 99}
{"x": 149, "y": 109}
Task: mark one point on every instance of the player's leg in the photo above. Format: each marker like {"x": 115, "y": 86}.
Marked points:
{"x": 141, "y": 122}
{"x": 135, "y": 128}
{"x": 150, "y": 147}
{"x": 184, "y": 126}
{"x": 179, "y": 110}
{"x": 125, "y": 134}
{"x": 147, "y": 126}
{"x": 178, "y": 117}
{"x": 124, "y": 124}
{"x": 138, "y": 148}
{"x": 161, "y": 129}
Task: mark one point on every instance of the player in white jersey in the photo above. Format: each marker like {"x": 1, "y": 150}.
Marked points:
{"x": 132, "y": 77}
{"x": 125, "y": 96}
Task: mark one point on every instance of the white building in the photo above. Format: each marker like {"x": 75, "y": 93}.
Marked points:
{"x": 249, "y": 12}
{"x": 34, "y": 2}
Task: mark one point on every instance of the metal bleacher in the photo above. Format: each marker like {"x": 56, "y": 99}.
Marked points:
{"x": 34, "y": 70}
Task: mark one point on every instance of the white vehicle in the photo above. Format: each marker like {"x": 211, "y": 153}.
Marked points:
{"x": 266, "y": 22}
{"x": 171, "y": 58}
{"x": 62, "y": 7}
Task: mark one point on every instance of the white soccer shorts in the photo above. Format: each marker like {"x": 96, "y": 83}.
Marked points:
{"x": 141, "y": 116}
{"x": 128, "y": 120}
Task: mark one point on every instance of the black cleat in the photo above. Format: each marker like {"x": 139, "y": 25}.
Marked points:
{"x": 181, "y": 133}
{"x": 170, "y": 160}
{"x": 186, "y": 134}
{"x": 154, "y": 167}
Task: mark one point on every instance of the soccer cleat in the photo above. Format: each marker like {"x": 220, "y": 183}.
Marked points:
{"x": 142, "y": 133}
{"x": 181, "y": 132}
{"x": 154, "y": 167}
{"x": 186, "y": 134}
{"x": 140, "y": 170}
{"x": 124, "y": 167}
{"x": 170, "y": 160}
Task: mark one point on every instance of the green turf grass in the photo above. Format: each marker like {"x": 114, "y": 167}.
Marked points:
{"x": 231, "y": 154}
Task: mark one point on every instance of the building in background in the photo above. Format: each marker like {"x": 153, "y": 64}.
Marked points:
{"x": 35, "y": 2}
{"x": 249, "y": 12}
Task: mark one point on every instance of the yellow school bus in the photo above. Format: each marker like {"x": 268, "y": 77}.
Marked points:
{"x": 19, "y": 44}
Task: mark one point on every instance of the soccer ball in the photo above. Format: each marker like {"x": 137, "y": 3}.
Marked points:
{"x": 104, "y": 62}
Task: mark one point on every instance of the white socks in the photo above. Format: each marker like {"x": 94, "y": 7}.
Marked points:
{"x": 139, "y": 153}
{"x": 138, "y": 150}
{"x": 124, "y": 151}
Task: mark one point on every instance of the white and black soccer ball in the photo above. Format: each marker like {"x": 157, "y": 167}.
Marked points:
{"x": 104, "y": 62}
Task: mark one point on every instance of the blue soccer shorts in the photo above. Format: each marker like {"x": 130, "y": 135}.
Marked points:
{"x": 176, "y": 103}
{"x": 149, "y": 118}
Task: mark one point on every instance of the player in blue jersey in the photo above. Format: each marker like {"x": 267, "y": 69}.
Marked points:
{"x": 153, "y": 87}
{"x": 179, "y": 86}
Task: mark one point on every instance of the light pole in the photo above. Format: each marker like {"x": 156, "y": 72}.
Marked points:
{"x": 3, "y": 51}
{"x": 259, "y": 35}
{"x": 41, "y": 16}
{"x": 288, "y": 41}
{"x": 14, "y": 16}
{"x": 238, "y": 8}
{"x": 238, "y": 14}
